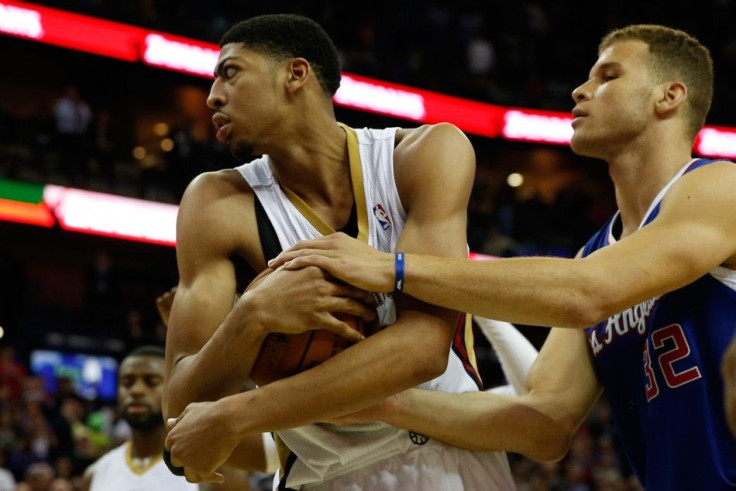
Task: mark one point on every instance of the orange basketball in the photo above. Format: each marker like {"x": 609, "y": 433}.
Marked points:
{"x": 283, "y": 355}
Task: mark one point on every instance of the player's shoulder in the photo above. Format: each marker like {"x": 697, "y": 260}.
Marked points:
{"x": 217, "y": 185}
{"x": 441, "y": 132}
{"x": 429, "y": 144}
{"x": 714, "y": 176}
{"x": 216, "y": 211}
{"x": 92, "y": 469}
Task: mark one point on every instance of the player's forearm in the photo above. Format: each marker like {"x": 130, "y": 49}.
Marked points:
{"x": 480, "y": 421}
{"x": 219, "y": 369}
{"x": 249, "y": 455}
{"x": 535, "y": 291}
{"x": 384, "y": 364}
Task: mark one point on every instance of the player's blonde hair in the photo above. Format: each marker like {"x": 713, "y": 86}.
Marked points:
{"x": 675, "y": 55}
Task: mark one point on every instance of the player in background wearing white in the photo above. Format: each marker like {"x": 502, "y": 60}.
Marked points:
{"x": 137, "y": 464}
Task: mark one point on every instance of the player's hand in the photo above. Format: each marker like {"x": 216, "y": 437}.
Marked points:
{"x": 296, "y": 301}
{"x": 200, "y": 440}
{"x": 348, "y": 259}
{"x": 163, "y": 305}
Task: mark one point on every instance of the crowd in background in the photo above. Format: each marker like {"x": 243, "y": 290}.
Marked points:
{"x": 528, "y": 54}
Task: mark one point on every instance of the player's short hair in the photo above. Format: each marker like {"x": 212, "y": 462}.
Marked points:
{"x": 147, "y": 350}
{"x": 675, "y": 54}
{"x": 284, "y": 36}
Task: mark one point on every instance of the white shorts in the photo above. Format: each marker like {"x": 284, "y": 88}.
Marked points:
{"x": 433, "y": 466}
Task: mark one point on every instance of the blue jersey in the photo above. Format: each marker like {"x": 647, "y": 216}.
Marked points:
{"x": 659, "y": 364}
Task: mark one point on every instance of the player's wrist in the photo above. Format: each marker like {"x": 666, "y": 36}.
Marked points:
{"x": 398, "y": 283}
{"x": 251, "y": 311}
{"x": 230, "y": 412}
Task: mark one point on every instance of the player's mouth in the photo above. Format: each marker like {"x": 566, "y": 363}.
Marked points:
{"x": 137, "y": 409}
{"x": 578, "y": 115}
{"x": 222, "y": 125}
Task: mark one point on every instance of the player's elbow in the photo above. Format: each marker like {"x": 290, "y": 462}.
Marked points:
{"x": 429, "y": 366}
{"x": 550, "y": 444}
{"x": 549, "y": 428}
{"x": 587, "y": 307}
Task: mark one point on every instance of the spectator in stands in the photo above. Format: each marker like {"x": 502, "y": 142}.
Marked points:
{"x": 73, "y": 116}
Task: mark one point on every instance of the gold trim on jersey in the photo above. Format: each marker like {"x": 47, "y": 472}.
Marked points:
{"x": 283, "y": 452}
{"x": 356, "y": 178}
{"x": 138, "y": 469}
{"x": 470, "y": 342}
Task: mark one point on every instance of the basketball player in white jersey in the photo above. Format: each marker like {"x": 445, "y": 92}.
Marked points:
{"x": 392, "y": 188}
{"x": 136, "y": 465}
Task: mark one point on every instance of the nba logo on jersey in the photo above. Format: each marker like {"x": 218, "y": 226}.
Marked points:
{"x": 382, "y": 216}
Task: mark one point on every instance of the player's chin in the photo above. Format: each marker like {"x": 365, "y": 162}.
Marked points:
{"x": 580, "y": 145}
{"x": 240, "y": 149}
{"x": 138, "y": 417}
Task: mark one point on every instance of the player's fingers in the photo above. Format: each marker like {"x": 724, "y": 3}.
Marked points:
{"x": 343, "y": 329}
{"x": 170, "y": 423}
{"x": 196, "y": 477}
{"x": 345, "y": 290}
{"x": 320, "y": 243}
{"x": 325, "y": 263}
{"x": 175, "y": 460}
{"x": 347, "y": 305}
{"x": 288, "y": 257}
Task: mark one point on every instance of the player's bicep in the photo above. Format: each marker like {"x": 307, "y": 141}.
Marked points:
{"x": 692, "y": 234}
{"x": 207, "y": 280}
{"x": 198, "y": 309}
{"x": 434, "y": 176}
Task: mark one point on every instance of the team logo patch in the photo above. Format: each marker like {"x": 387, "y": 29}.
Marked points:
{"x": 418, "y": 438}
{"x": 382, "y": 216}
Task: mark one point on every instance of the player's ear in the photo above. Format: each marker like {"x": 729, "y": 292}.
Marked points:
{"x": 670, "y": 96}
{"x": 299, "y": 73}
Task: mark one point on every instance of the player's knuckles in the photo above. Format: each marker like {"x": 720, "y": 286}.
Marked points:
{"x": 192, "y": 476}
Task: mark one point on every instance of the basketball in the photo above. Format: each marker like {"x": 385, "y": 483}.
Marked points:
{"x": 283, "y": 355}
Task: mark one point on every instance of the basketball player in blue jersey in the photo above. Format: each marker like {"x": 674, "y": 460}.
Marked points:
{"x": 393, "y": 188}
{"x": 649, "y": 303}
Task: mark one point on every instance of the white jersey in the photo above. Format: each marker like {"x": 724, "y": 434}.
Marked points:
{"x": 115, "y": 472}
{"x": 321, "y": 452}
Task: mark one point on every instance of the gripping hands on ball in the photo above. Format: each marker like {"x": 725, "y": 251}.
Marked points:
{"x": 345, "y": 258}
{"x": 292, "y": 302}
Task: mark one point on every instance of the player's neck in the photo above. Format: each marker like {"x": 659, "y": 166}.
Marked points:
{"x": 147, "y": 443}
{"x": 315, "y": 165}
{"x": 640, "y": 175}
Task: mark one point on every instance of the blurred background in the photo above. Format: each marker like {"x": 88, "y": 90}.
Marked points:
{"x": 76, "y": 122}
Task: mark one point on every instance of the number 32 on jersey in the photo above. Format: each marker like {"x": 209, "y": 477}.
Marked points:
{"x": 669, "y": 346}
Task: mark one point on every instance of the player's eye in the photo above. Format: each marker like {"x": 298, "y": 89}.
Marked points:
{"x": 154, "y": 381}
{"x": 229, "y": 71}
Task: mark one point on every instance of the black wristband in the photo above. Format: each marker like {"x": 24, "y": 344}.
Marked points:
{"x": 177, "y": 471}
